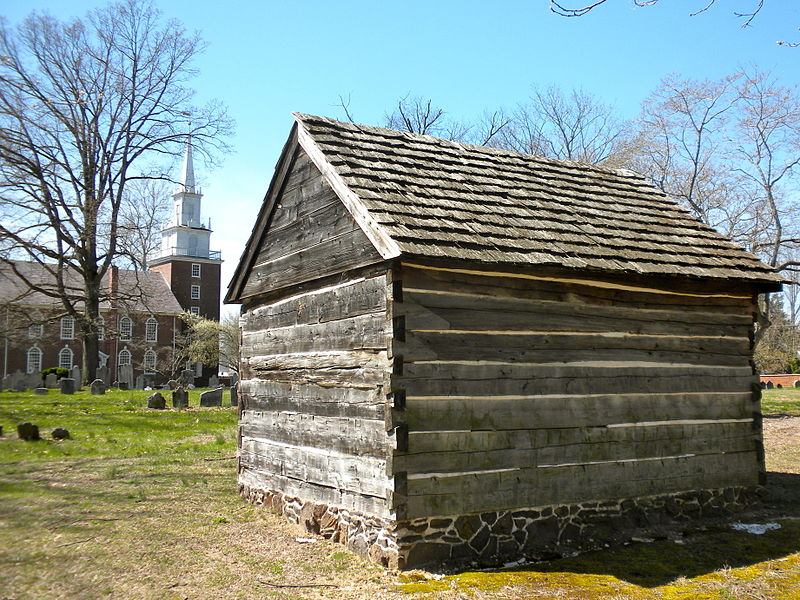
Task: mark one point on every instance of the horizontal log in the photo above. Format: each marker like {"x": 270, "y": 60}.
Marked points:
{"x": 562, "y": 410}
{"x": 488, "y": 345}
{"x": 319, "y": 494}
{"x": 472, "y": 451}
{"x": 430, "y": 310}
{"x": 335, "y": 255}
{"x": 356, "y": 474}
{"x": 343, "y": 300}
{"x": 521, "y": 488}
{"x": 364, "y": 332}
{"x": 357, "y": 369}
{"x": 589, "y": 292}
{"x": 312, "y": 398}
{"x": 343, "y": 435}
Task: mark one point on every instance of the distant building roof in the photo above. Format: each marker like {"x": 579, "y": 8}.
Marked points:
{"x": 145, "y": 291}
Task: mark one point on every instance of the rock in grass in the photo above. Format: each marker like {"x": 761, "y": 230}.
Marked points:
{"x": 156, "y": 401}
{"x": 59, "y": 433}
{"x": 211, "y": 398}
{"x": 28, "y": 432}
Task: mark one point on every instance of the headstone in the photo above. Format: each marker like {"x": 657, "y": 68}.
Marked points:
{"x": 67, "y": 385}
{"x": 59, "y": 433}
{"x": 180, "y": 398}
{"x": 21, "y": 386}
{"x": 16, "y": 377}
{"x": 7, "y": 383}
{"x": 123, "y": 385}
{"x": 103, "y": 374}
{"x": 34, "y": 380}
{"x": 126, "y": 375}
{"x": 211, "y": 398}
{"x": 213, "y": 381}
{"x": 172, "y": 384}
{"x": 139, "y": 382}
{"x": 75, "y": 373}
{"x": 234, "y": 379}
{"x": 187, "y": 377}
{"x": 51, "y": 381}
{"x": 98, "y": 387}
{"x": 157, "y": 401}
{"x": 770, "y": 385}
{"x": 41, "y": 391}
{"x": 234, "y": 395}
{"x": 28, "y": 432}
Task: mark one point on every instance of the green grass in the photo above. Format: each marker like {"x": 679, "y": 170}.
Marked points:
{"x": 784, "y": 401}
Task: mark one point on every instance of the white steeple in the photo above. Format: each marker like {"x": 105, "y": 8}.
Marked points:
{"x": 187, "y": 177}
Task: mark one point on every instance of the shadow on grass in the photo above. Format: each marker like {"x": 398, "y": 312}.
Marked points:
{"x": 703, "y": 550}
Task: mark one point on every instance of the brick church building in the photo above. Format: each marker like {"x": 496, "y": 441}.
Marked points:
{"x": 140, "y": 320}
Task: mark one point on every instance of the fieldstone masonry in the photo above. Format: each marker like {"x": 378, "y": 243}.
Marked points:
{"x": 491, "y": 538}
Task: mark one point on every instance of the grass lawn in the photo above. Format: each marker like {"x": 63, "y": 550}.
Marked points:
{"x": 142, "y": 504}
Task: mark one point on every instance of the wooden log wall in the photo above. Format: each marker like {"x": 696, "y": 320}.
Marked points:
{"x": 515, "y": 391}
{"x": 314, "y": 353}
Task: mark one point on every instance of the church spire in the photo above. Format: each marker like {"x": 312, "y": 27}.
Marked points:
{"x": 187, "y": 176}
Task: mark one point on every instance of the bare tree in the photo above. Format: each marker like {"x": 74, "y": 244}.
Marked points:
{"x": 144, "y": 210}
{"x": 83, "y": 104}
{"x": 416, "y": 115}
{"x": 568, "y": 126}
{"x": 747, "y": 16}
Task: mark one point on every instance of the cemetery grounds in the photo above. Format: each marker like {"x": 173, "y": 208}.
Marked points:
{"x": 142, "y": 504}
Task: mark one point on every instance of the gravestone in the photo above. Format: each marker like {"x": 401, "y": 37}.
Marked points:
{"x": 7, "y": 383}
{"x": 211, "y": 398}
{"x": 187, "y": 377}
{"x": 41, "y": 391}
{"x": 157, "y": 401}
{"x": 28, "y": 432}
{"x": 770, "y": 385}
{"x": 16, "y": 377}
{"x": 234, "y": 379}
{"x": 21, "y": 385}
{"x": 213, "y": 381}
{"x": 126, "y": 376}
{"x": 75, "y": 373}
{"x": 180, "y": 398}
{"x": 59, "y": 433}
{"x": 98, "y": 387}
{"x": 139, "y": 382}
{"x": 67, "y": 385}
{"x": 103, "y": 374}
{"x": 234, "y": 395}
{"x": 172, "y": 384}
{"x": 123, "y": 385}
{"x": 34, "y": 380}
{"x": 51, "y": 381}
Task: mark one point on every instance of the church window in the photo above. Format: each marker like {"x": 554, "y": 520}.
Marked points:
{"x": 125, "y": 329}
{"x": 65, "y": 358}
{"x": 67, "y": 328}
{"x": 195, "y": 292}
{"x": 195, "y": 270}
{"x": 151, "y": 330}
{"x": 150, "y": 361}
{"x": 34, "y": 360}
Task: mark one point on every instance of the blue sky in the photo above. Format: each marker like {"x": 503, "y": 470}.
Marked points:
{"x": 266, "y": 59}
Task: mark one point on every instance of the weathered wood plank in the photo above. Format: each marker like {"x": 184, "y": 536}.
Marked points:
{"x": 336, "y": 254}
{"x": 359, "y": 437}
{"x": 563, "y": 291}
{"x": 467, "y": 451}
{"x": 356, "y": 369}
{"x": 425, "y": 310}
{"x": 473, "y": 412}
{"x": 363, "y": 332}
{"x": 348, "y": 299}
{"x": 319, "y": 494}
{"x": 355, "y": 474}
{"x": 319, "y": 399}
{"x": 520, "y": 488}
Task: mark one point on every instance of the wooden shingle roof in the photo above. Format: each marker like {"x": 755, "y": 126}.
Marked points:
{"x": 439, "y": 198}
{"x": 416, "y": 195}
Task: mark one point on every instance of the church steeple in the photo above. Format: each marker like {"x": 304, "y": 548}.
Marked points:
{"x": 187, "y": 176}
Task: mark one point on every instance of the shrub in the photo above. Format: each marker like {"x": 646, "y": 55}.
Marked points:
{"x": 59, "y": 371}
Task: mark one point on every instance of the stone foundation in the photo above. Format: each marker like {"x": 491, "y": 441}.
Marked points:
{"x": 491, "y": 538}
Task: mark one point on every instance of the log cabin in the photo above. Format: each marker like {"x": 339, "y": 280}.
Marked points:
{"x": 454, "y": 353}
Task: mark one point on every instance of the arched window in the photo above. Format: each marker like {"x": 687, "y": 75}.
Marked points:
{"x": 150, "y": 361}
{"x": 34, "y": 360}
{"x": 101, "y": 329}
{"x": 65, "y": 358}
{"x": 35, "y": 331}
{"x": 124, "y": 357}
{"x": 151, "y": 330}
{"x": 67, "y": 328}
{"x": 125, "y": 329}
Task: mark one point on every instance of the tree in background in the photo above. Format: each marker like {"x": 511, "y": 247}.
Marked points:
{"x": 209, "y": 342}
{"x": 143, "y": 212}
{"x": 86, "y": 107}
